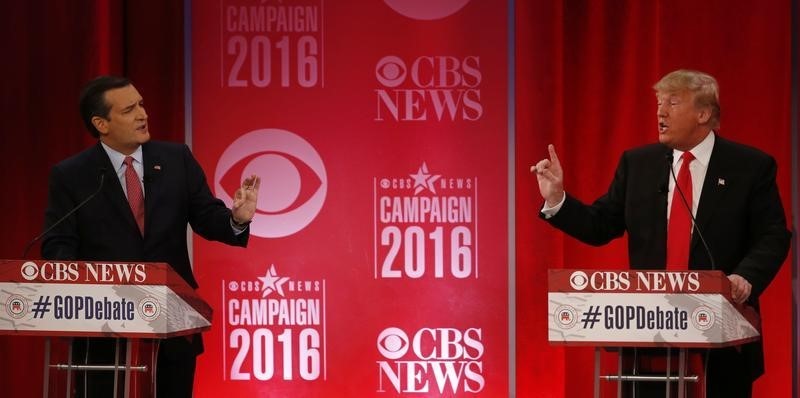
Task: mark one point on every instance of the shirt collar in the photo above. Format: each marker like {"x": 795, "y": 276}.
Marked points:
{"x": 701, "y": 152}
{"x": 118, "y": 159}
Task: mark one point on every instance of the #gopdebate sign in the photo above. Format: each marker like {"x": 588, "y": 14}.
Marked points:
{"x": 646, "y": 308}
{"x": 97, "y": 299}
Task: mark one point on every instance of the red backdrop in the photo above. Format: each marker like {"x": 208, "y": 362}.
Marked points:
{"x": 584, "y": 71}
{"x": 584, "y": 76}
{"x": 377, "y": 137}
{"x": 50, "y": 49}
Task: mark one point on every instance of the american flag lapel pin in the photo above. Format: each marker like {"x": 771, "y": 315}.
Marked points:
{"x": 721, "y": 182}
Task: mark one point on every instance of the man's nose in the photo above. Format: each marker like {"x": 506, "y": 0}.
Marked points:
{"x": 661, "y": 110}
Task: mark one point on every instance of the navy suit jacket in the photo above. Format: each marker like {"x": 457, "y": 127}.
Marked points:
{"x": 740, "y": 215}
{"x": 176, "y": 195}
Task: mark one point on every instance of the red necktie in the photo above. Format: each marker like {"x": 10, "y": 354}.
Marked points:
{"x": 135, "y": 195}
{"x": 679, "y": 231}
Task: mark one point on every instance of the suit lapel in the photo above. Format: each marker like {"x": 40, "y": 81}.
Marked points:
{"x": 714, "y": 188}
{"x": 112, "y": 189}
{"x": 152, "y": 181}
{"x": 660, "y": 220}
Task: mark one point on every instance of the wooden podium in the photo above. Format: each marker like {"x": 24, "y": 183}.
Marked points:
{"x": 142, "y": 302}
{"x": 634, "y": 308}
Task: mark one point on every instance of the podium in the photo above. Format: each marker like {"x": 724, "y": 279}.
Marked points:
{"x": 639, "y": 308}
{"x": 142, "y": 302}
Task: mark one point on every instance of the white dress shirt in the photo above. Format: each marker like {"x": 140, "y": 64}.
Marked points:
{"x": 118, "y": 162}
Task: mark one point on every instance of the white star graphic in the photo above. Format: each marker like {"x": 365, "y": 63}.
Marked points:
{"x": 272, "y": 282}
{"x": 423, "y": 180}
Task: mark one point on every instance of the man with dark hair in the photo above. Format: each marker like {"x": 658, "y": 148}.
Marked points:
{"x": 729, "y": 189}
{"x": 152, "y": 191}
{"x": 93, "y": 102}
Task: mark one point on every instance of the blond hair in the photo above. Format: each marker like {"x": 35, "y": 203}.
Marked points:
{"x": 702, "y": 85}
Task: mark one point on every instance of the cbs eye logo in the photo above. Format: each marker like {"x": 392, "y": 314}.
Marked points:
{"x": 293, "y": 179}
{"x": 426, "y": 10}
{"x": 578, "y": 280}
{"x": 393, "y": 343}
{"x": 390, "y": 71}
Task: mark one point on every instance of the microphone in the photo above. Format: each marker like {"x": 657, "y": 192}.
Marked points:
{"x": 69, "y": 213}
{"x": 669, "y": 159}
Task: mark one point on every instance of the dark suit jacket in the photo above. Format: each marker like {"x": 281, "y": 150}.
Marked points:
{"x": 176, "y": 195}
{"x": 740, "y": 215}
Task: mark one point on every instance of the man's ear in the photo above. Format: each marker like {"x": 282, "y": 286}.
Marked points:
{"x": 100, "y": 124}
{"x": 704, "y": 115}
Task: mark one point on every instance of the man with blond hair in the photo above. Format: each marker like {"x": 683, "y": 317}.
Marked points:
{"x": 731, "y": 192}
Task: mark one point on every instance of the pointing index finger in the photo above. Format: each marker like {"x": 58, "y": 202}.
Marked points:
{"x": 553, "y": 157}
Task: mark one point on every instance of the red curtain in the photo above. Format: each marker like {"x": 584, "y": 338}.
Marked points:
{"x": 796, "y": 182}
{"x": 50, "y": 49}
{"x": 584, "y": 75}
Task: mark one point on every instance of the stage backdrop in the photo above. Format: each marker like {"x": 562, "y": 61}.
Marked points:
{"x": 584, "y": 74}
{"x": 377, "y": 262}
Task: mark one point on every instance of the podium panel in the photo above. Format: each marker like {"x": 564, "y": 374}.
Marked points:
{"x": 640, "y": 309}
{"x": 646, "y": 309}
{"x": 142, "y": 302}
{"x": 101, "y": 299}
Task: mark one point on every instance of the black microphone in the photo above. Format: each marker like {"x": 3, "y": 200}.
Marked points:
{"x": 670, "y": 158}
{"x": 688, "y": 207}
{"x": 69, "y": 213}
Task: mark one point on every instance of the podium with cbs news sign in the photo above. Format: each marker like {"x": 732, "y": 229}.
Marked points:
{"x": 640, "y": 308}
{"x": 140, "y": 302}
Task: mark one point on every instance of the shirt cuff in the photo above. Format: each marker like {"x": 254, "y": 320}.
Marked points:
{"x": 549, "y": 212}
{"x": 238, "y": 228}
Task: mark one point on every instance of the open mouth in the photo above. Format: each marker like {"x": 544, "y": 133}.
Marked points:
{"x": 662, "y": 127}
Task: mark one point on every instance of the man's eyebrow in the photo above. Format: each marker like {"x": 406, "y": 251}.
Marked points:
{"x": 129, "y": 107}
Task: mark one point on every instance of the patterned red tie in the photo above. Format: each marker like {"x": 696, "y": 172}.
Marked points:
{"x": 135, "y": 195}
{"x": 679, "y": 231}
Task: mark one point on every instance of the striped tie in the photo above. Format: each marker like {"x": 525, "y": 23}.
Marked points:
{"x": 135, "y": 195}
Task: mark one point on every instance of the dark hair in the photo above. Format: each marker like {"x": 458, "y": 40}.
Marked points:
{"x": 93, "y": 101}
